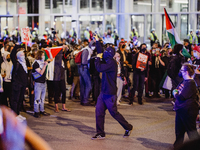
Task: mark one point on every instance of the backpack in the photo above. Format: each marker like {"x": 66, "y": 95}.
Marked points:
{"x": 78, "y": 57}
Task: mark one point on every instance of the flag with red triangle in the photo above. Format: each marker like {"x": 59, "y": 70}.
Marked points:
{"x": 173, "y": 35}
{"x": 52, "y": 52}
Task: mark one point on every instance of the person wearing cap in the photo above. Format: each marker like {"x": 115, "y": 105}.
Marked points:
{"x": 134, "y": 33}
{"x": 107, "y": 98}
{"x": 5, "y": 33}
{"x": 19, "y": 79}
{"x": 196, "y": 62}
{"x": 34, "y": 34}
{"x": 153, "y": 36}
{"x": 190, "y": 36}
{"x": 85, "y": 80}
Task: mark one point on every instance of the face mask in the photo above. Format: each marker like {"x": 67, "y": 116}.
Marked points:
{"x": 196, "y": 55}
{"x": 123, "y": 46}
{"x": 170, "y": 53}
{"x": 22, "y": 59}
{"x": 93, "y": 47}
{"x": 154, "y": 51}
{"x": 8, "y": 59}
{"x": 143, "y": 50}
{"x": 180, "y": 75}
{"x": 133, "y": 52}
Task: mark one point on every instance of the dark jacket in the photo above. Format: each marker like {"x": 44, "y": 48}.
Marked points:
{"x": 19, "y": 75}
{"x": 109, "y": 73}
{"x": 134, "y": 62}
{"x": 174, "y": 66}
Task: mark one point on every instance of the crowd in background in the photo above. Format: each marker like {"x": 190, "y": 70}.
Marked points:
{"x": 19, "y": 64}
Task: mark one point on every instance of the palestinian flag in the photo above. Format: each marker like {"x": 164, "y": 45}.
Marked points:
{"x": 173, "y": 35}
{"x": 52, "y": 52}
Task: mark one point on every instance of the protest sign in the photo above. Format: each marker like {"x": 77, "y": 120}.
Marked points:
{"x": 141, "y": 61}
{"x": 25, "y": 32}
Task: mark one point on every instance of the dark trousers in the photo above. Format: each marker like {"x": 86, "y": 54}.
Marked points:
{"x": 108, "y": 102}
{"x": 60, "y": 87}
{"x": 51, "y": 92}
{"x": 138, "y": 84}
{"x": 7, "y": 87}
{"x": 17, "y": 97}
{"x": 185, "y": 122}
{"x": 95, "y": 87}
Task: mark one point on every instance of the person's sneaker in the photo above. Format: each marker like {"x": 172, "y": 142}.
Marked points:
{"x": 37, "y": 115}
{"x": 127, "y": 133}
{"x": 23, "y": 118}
{"x": 98, "y": 137}
{"x": 19, "y": 119}
{"x": 45, "y": 113}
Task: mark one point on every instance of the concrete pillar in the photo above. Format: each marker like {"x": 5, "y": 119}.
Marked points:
{"x": 192, "y": 17}
{"x": 123, "y": 21}
{"x": 41, "y": 17}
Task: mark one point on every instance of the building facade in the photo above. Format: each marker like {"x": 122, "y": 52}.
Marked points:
{"x": 101, "y": 15}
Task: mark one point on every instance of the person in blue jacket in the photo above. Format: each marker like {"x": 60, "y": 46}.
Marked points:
{"x": 107, "y": 98}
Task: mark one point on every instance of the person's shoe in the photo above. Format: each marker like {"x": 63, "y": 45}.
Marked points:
{"x": 127, "y": 133}
{"x": 140, "y": 102}
{"x": 87, "y": 104}
{"x": 23, "y": 118}
{"x": 20, "y": 118}
{"x": 37, "y": 115}
{"x": 98, "y": 137}
{"x": 44, "y": 113}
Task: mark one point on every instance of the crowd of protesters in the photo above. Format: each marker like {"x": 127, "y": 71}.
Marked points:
{"x": 24, "y": 69}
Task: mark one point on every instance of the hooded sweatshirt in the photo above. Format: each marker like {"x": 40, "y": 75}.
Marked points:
{"x": 108, "y": 69}
{"x": 6, "y": 67}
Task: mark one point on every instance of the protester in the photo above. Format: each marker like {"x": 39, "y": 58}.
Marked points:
{"x": 186, "y": 106}
{"x": 139, "y": 75}
{"x": 6, "y": 68}
{"x": 39, "y": 74}
{"x": 19, "y": 79}
{"x": 107, "y": 98}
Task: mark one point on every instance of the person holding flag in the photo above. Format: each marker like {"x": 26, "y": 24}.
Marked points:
{"x": 57, "y": 73}
{"x": 178, "y": 50}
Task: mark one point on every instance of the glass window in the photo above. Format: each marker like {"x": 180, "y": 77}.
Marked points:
{"x": 68, "y": 6}
{"x": 12, "y": 7}
{"x": 174, "y": 5}
{"x": 61, "y": 23}
{"x": 110, "y": 22}
{"x": 148, "y": 29}
{"x": 184, "y": 27}
{"x": 110, "y": 6}
{"x": 84, "y": 6}
{"x": 57, "y": 6}
{"x": 3, "y": 7}
{"x": 47, "y": 7}
{"x": 97, "y": 6}
{"x": 141, "y": 6}
{"x": 95, "y": 23}
{"x": 138, "y": 23}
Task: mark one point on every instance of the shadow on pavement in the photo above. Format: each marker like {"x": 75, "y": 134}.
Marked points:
{"x": 77, "y": 124}
{"x": 155, "y": 145}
